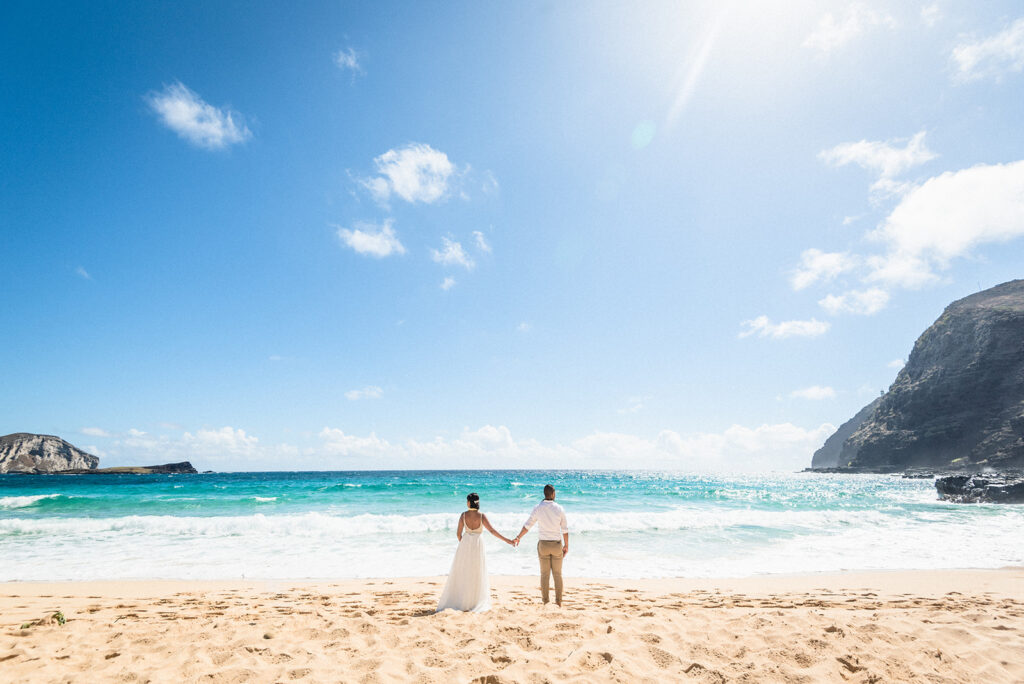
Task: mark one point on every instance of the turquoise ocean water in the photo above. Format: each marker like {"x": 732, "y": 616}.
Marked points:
{"x": 399, "y": 524}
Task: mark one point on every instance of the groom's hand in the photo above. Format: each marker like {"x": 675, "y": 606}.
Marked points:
{"x": 565, "y": 551}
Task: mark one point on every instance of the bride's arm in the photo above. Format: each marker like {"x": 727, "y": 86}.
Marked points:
{"x": 493, "y": 531}
{"x": 458, "y": 532}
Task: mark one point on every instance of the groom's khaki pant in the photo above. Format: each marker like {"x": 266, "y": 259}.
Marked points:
{"x": 550, "y": 554}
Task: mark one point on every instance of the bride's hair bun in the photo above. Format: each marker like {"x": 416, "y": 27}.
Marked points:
{"x": 474, "y": 501}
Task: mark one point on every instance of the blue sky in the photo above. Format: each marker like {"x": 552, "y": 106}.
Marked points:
{"x": 340, "y": 235}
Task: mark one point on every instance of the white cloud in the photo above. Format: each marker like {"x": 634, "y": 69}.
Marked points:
{"x": 95, "y": 432}
{"x": 887, "y": 159}
{"x": 489, "y": 437}
{"x": 737, "y": 448}
{"x": 897, "y": 363}
{"x": 814, "y": 393}
{"x": 931, "y": 14}
{"x": 368, "y": 392}
{"x": 337, "y": 443}
{"x": 448, "y": 283}
{"x": 490, "y": 183}
{"x": 524, "y": 327}
{"x": 225, "y": 440}
{"x": 946, "y": 217}
{"x": 767, "y": 447}
{"x": 452, "y": 254}
{"x": 416, "y": 173}
{"x": 372, "y": 239}
{"x": 991, "y": 57}
{"x": 816, "y": 265}
{"x": 82, "y": 273}
{"x": 836, "y": 31}
{"x": 863, "y": 302}
{"x": 904, "y": 270}
{"x": 481, "y": 242}
{"x": 763, "y": 327}
{"x": 348, "y": 60}
{"x": 195, "y": 121}
{"x": 226, "y": 447}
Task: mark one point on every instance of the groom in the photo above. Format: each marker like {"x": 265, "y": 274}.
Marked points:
{"x": 553, "y": 544}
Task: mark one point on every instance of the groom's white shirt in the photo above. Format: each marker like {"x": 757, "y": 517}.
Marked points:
{"x": 550, "y": 518}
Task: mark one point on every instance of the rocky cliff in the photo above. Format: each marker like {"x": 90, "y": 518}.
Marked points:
{"x": 958, "y": 404}
{"x": 27, "y": 453}
{"x": 828, "y": 455}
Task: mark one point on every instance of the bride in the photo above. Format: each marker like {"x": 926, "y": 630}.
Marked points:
{"x": 467, "y": 587}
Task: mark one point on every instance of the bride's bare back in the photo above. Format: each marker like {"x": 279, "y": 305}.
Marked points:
{"x": 473, "y": 519}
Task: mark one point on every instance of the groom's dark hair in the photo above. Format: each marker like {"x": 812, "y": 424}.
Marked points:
{"x": 549, "y": 491}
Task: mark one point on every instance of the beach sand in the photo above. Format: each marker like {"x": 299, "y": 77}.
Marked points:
{"x": 933, "y": 626}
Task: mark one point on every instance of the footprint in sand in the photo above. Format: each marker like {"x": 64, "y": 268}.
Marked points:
{"x": 662, "y": 658}
{"x": 592, "y": 661}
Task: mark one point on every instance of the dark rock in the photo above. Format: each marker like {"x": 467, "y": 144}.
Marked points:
{"x": 981, "y": 489}
{"x": 958, "y": 404}
{"x": 23, "y": 452}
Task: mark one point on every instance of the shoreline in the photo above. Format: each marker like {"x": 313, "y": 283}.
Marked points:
{"x": 944, "y": 625}
{"x": 782, "y": 581}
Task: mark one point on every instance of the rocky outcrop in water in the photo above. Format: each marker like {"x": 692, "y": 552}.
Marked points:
{"x": 168, "y": 468}
{"x": 958, "y": 404}
{"x": 981, "y": 488}
{"x": 23, "y": 452}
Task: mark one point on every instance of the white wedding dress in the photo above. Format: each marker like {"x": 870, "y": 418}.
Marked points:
{"x": 467, "y": 587}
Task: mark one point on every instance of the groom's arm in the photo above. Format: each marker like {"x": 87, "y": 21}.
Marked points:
{"x": 527, "y": 525}
{"x": 565, "y": 534}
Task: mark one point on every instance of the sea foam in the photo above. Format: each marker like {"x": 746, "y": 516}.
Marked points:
{"x": 295, "y": 525}
{"x": 8, "y": 502}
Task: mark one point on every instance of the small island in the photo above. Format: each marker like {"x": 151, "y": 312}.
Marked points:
{"x": 31, "y": 454}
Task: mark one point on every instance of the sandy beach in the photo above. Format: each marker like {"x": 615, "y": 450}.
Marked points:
{"x": 936, "y": 626}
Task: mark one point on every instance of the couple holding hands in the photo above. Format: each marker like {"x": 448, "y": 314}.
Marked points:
{"x": 468, "y": 587}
